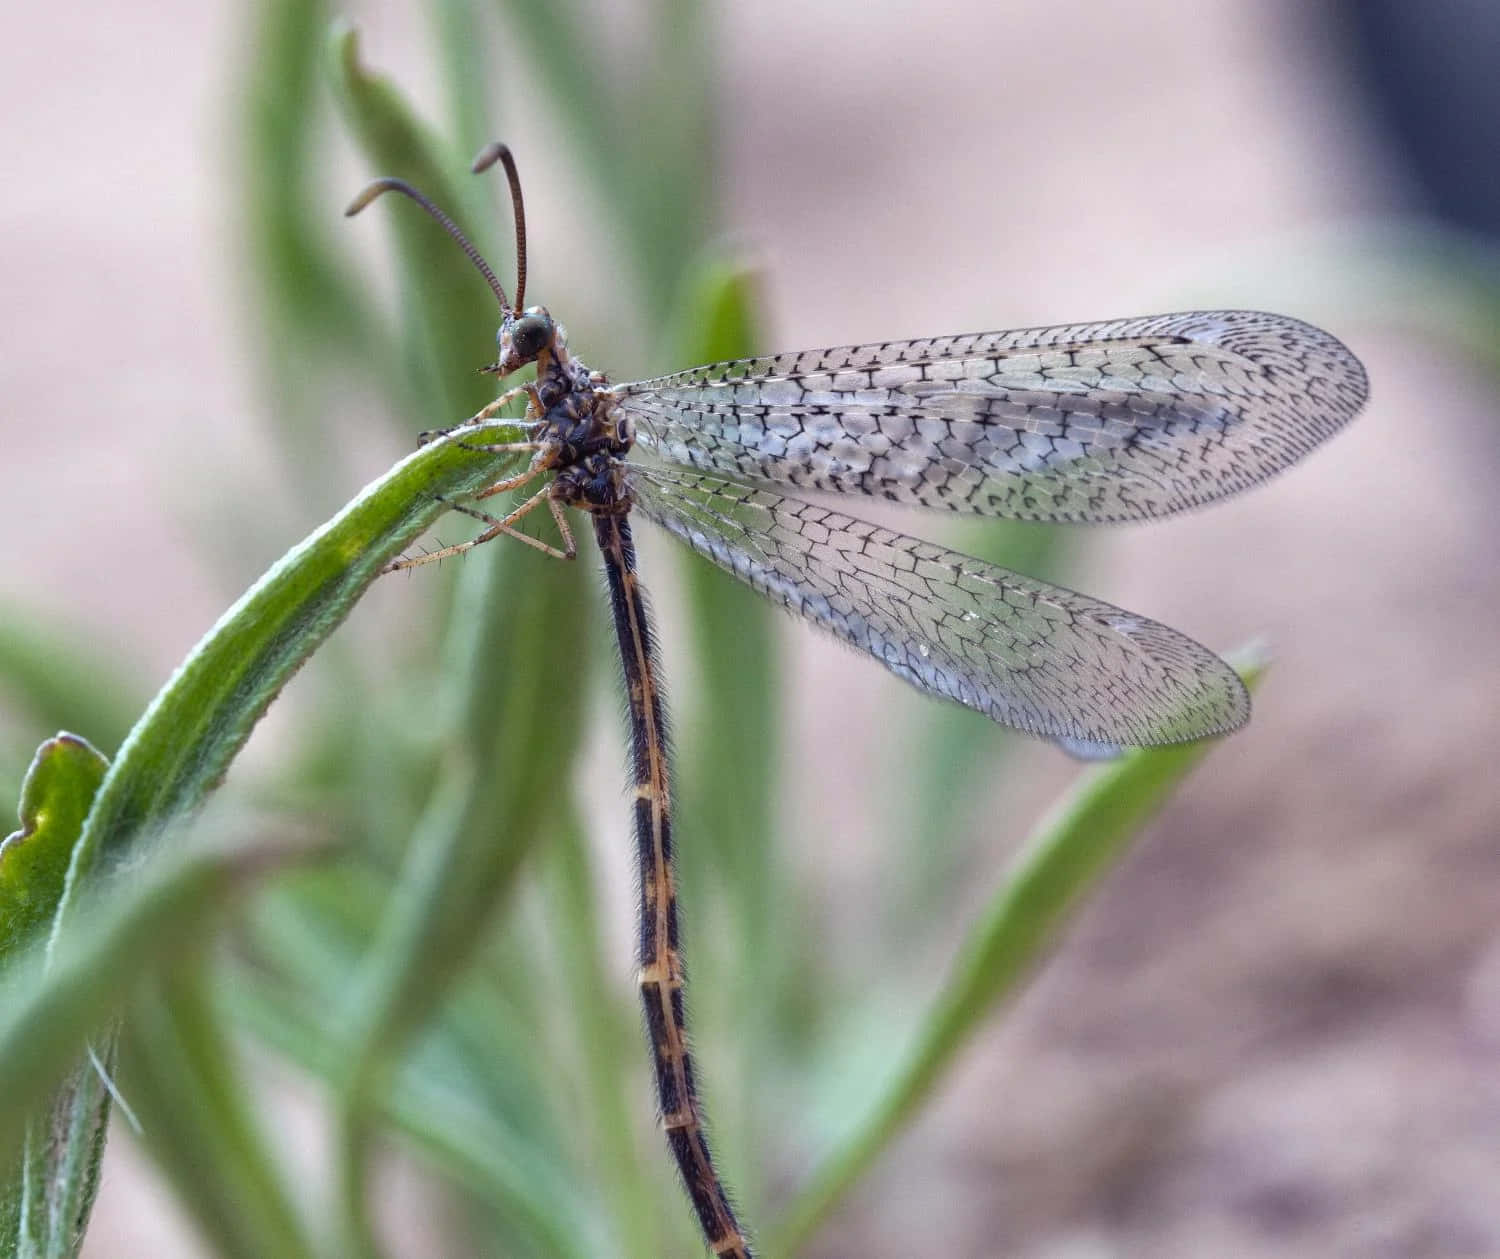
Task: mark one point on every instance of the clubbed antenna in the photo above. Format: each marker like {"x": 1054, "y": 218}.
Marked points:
{"x": 488, "y": 156}
{"x": 371, "y": 191}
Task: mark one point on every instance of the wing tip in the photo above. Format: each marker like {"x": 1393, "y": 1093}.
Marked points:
{"x": 1274, "y": 341}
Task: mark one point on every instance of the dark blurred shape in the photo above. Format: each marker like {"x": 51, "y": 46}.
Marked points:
{"x": 1429, "y": 73}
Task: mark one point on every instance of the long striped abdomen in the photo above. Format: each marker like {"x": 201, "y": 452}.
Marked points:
{"x": 661, "y": 977}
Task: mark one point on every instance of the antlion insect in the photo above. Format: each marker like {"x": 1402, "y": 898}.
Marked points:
{"x": 1123, "y": 420}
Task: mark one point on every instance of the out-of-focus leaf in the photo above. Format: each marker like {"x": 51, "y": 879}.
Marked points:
{"x": 313, "y": 302}
{"x": 496, "y": 1146}
{"x": 311, "y": 933}
{"x": 288, "y": 225}
{"x": 519, "y": 617}
{"x": 562, "y": 52}
{"x": 669, "y": 199}
{"x": 60, "y": 684}
{"x": 177, "y": 1069}
{"x": 730, "y": 720}
{"x": 647, "y": 146}
{"x": 727, "y": 783}
{"x": 959, "y": 753}
{"x": 465, "y": 72}
{"x": 498, "y": 788}
{"x": 1082, "y": 838}
{"x": 448, "y": 318}
{"x": 609, "y": 1043}
{"x": 515, "y": 608}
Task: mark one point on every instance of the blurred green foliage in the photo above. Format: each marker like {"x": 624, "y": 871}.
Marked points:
{"x": 448, "y": 978}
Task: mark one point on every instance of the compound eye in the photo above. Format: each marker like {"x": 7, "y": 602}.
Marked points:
{"x": 530, "y": 335}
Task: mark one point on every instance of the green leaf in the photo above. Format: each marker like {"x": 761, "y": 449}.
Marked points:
{"x": 182, "y": 747}
{"x": 55, "y": 799}
{"x": 53, "y": 1009}
{"x": 1069, "y": 852}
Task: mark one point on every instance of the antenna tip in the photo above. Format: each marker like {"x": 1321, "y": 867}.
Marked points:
{"x": 366, "y": 195}
{"x": 489, "y": 155}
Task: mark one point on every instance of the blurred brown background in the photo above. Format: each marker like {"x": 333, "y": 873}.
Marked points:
{"x": 1276, "y": 1032}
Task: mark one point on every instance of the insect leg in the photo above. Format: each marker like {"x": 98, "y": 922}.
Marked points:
{"x": 497, "y": 527}
{"x": 570, "y": 548}
{"x": 533, "y": 412}
{"x": 546, "y": 455}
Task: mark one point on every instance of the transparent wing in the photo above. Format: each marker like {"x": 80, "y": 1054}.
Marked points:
{"x": 1025, "y": 653}
{"x": 1085, "y": 422}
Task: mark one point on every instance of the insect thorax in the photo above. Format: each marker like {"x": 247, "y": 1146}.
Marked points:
{"x": 581, "y": 416}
